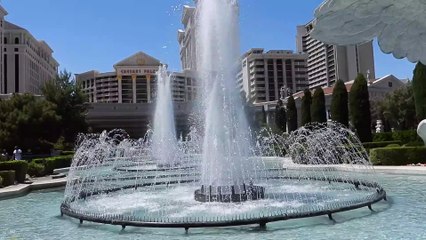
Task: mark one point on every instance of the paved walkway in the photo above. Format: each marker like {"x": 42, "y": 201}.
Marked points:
{"x": 48, "y": 182}
{"x": 38, "y": 184}
{"x": 415, "y": 170}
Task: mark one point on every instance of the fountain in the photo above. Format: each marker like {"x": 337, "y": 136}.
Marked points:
{"x": 226, "y": 148}
{"x": 164, "y": 132}
{"x": 229, "y": 176}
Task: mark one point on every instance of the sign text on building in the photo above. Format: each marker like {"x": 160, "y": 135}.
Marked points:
{"x": 137, "y": 71}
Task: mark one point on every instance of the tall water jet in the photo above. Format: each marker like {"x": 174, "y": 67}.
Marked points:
{"x": 226, "y": 146}
{"x": 164, "y": 142}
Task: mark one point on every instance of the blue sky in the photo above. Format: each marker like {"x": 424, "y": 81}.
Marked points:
{"x": 95, "y": 34}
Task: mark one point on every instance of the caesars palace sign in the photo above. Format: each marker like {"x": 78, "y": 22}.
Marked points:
{"x": 136, "y": 71}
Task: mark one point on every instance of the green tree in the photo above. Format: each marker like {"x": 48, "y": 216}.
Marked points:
{"x": 339, "y": 104}
{"x": 306, "y": 107}
{"x": 419, "y": 88}
{"x": 359, "y": 107}
{"x": 28, "y": 122}
{"x": 318, "y": 111}
{"x": 398, "y": 108}
{"x": 70, "y": 100}
{"x": 291, "y": 114}
{"x": 280, "y": 116}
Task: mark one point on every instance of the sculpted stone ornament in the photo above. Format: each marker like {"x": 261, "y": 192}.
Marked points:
{"x": 421, "y": 130}
{"x": 397, "y": 25}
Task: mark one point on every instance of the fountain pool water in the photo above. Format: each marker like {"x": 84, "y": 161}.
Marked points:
{"x": 35, "y": 216}
{"x": 238, "y": 178}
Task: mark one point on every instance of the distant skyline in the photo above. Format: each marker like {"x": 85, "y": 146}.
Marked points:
{"x": 95, "y": 34}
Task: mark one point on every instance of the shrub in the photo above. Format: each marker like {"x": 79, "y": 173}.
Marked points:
{"x": 359, "y": 108}
{"x": 63, "y": 153}
{"x": 52, "y": 163}
{"x": 8, "y": 177}
{"x": 398, "y": 156}
{"x": 402, "y": 136}
{"x": 414, "y": 144}
{"x": 20, "y": 168}
{"x": 393, "y": 145}
{"x": 406, "y": 136}
{"x": 291, "y": 114}
{"x": 371, "y": 145}
{"x": 36, "y": 169}
{"x": 382, "y": 137}
{"x": 1, "y": 182}
{"x": 339, "y": 103}
{"x": 318, "y": 110}
{"x": 306, "y": 107}
{"x": 419, "y": 89}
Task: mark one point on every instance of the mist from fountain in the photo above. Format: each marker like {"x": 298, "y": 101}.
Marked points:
{"x": 164, "y": 140}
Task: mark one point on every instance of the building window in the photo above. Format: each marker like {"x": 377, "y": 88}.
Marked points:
{"x": 390, "y": 84}
{"x": 5, "y": 40}
{"x": 16, "y": 40}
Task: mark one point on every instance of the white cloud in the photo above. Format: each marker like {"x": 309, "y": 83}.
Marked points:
{"x": 399, "y": 25}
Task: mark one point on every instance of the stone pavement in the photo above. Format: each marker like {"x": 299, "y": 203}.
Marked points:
{"x": 38, "y": 184}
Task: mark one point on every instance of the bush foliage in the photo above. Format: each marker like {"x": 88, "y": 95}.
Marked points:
{"x": 419, "y": 89}
{"x": 398, "y": 156}
{"x": 306, "y": 107}
{"x": 36, "y": 169}
{"x": 291, "y": 114}
{"x": 339, "y": 104}
{"x": 20, "y": 168}
{"x": 53, "y": 163}
{"x": 359, "y": 107}
{"x": 404, "y": 137}
{"x": 8, "y": 177}
{"x": 318, "y": 110}
{"x": 371, "y": 145}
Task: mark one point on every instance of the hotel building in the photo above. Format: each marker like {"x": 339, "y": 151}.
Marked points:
{"x": 327, "y": 63}
{"x": 269, "y": 76}
{"x": 125, "y": 97}
{"x": 186, "y": 39}
{"x": 25, "y": 63}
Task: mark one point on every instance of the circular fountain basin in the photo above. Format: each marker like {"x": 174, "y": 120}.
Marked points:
{"x": 166, "y": 199}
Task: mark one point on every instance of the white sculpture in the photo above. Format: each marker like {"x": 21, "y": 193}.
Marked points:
{"x": 379, "y": 126}
{"x": 398, "y": 25}
{"x": 421, "y": 130}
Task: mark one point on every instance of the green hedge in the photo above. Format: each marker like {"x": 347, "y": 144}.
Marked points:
{"x": 371, "y": 145}
{"x": 393, "y": 146}
{"x": 36, "y": 169}
{"x": 414, "y": 144}
{"x": 67, "y": 153}
{"x": 402, "y": 136}
{"x": 20, "y": 168}
{"x": 8, "y": 177}
{"x": 52, "y": 163}
{"x": 398, "y": 156}
{"x": 382, "y": 137}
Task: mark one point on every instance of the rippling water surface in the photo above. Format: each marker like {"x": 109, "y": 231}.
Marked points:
{"x": 36, "y": 216}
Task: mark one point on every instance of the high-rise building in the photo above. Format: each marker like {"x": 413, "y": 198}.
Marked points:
{"x": 269, "y": 76}
{"x": 25, "y": 63}
{"x": 186, "y": 39}
{"x": 327, "y": 63}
